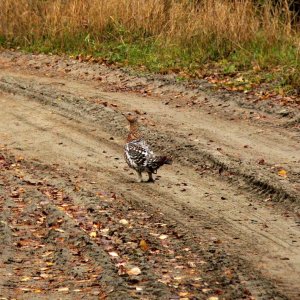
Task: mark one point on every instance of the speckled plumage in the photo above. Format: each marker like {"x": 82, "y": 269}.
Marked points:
{"x": 138, "y": 154}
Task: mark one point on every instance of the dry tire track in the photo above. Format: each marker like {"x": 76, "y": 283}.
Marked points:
{"x": 39, "y": 132}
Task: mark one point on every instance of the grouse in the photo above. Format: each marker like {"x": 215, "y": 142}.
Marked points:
{"x": 138, "y": 154}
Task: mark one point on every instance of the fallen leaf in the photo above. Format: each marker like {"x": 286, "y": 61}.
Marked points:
{"x": 113, "y": 254}
{"x": 63, "y": 289}
{"x": 25, "y": 278}
{"x": 123, "y": 222}
{"x": 163, "y": 237}
{"x": 105, "y": 231}
{"x": 134, "y": 271}
{"x": 122, "y": 270}
{"x": 47, "y": 254}
{"x": 191, "y": 264}
{"x": 15, "y": 194}
{"x": 282, "y": 173}
{"x": 228, "y": 273}
{"x": 143, "y": 245}
{"x": 178, "y": 278}
{"x": 93, "y": 234}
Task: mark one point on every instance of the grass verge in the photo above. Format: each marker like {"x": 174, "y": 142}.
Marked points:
{"x": 187, "y": 37}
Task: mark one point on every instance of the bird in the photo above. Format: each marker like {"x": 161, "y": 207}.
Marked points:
{"x": 138, "y": 153}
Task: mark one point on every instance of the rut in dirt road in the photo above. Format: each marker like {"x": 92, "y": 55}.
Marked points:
{"x": 216, "y": 191}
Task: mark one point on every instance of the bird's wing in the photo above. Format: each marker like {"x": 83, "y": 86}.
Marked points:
{"x": 143, "y": 144}
{"x": 138, "y": 153}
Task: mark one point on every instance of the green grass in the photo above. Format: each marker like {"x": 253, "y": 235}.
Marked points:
{"x": 278, "y": 65}
{"x": 186, "y": 37}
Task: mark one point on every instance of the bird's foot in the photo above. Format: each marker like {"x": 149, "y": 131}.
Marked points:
{"x": 140, "y": 178}
{"x": 150, "y": 177}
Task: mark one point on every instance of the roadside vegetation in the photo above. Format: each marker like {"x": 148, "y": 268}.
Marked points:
{"x": 253, "y": 42}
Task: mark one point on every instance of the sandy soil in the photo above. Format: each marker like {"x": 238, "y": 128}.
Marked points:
{"x": 222, "y": 222}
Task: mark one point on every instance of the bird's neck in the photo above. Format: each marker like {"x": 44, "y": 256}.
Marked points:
{"x": 133, "y": 132}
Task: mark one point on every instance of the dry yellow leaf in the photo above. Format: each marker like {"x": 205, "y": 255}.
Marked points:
{"x": 25, "y": 278}
{"x": 143, "y": 245}
{"x": 282, "y": 173}
{"x": 183, "y": 294}
{"x": 93, "y": 234}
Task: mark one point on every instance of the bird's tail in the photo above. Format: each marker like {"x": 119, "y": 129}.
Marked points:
{"x": 166, "y": 160}
{"x": 158, "y": 161}
{"x": 163, "y": 160}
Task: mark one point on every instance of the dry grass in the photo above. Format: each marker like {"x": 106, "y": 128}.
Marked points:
{"x": 237, "y": 21}
{"x": 184, "y": 29}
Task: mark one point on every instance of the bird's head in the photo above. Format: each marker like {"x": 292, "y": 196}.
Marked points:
{"x": 131, "y": 117}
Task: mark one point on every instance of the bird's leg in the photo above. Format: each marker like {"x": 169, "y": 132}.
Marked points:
{"x": 150, "y": 177}
{"x": 140, "y": 178}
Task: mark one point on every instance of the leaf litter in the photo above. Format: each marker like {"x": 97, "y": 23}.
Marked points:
{"x": 148, "y": 254}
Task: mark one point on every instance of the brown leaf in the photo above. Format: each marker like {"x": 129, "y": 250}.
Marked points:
{"x": 143, "y": 245}
{"x": 44, "y": 275}
{"x": 15, "y": 194}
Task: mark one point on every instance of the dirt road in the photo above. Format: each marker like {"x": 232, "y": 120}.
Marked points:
{"x": 222, "y": 221}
